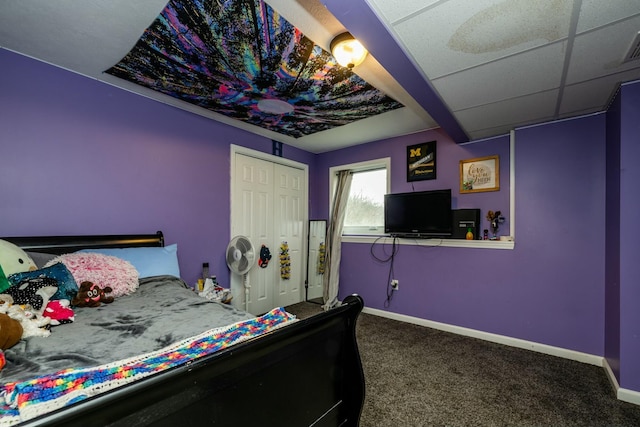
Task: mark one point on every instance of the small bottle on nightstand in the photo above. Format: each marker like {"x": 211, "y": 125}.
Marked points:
{"x": 205, "y": 270}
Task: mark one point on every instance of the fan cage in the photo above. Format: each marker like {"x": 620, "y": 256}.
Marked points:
{"x": 240, "y": 255}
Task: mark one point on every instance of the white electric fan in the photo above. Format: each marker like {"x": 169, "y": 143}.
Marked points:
{"x": 241, "y": 257}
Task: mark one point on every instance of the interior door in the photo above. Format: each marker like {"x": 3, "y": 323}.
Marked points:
{"x": 289, "y": 228}
{"x": 268, "y": 205}
{"x": 252, "y": 216}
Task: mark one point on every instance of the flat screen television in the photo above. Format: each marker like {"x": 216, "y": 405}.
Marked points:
{"x": 422, "y": 214}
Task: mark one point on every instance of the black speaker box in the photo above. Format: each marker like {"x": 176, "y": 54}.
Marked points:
{"x": 465, "y": 219}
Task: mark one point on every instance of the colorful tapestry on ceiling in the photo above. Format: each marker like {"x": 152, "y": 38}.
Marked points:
{"x": 240, "y": 58}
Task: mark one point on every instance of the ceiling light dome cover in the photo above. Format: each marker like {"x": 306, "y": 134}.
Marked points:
{"x": 348, "y": 51}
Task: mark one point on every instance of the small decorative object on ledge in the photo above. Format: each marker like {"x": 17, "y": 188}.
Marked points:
{"x": 495, "y": 219}
{"x": 469, "y": 235}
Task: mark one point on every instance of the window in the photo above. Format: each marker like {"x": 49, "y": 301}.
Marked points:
{"x": 365, "y": 208}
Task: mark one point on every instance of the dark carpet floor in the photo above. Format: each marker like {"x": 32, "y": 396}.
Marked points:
{"x": 417, "y": 376}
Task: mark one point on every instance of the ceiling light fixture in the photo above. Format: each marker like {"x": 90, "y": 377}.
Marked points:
{"x": 348, "y": 51}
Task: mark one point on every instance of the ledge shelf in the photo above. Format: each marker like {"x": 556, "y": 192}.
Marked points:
{"x": 450, "y": 243}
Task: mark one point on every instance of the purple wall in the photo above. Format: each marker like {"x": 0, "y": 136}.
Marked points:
{"x": 560, "y": 212}
{"x": 83, "y": 157}
{"x": 549, "y": 289}
{"x": 629, "y": 242}
{"x": 622, "y": 280}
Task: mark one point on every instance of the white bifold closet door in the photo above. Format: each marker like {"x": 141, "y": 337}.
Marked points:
{"x": 268, "y": 205}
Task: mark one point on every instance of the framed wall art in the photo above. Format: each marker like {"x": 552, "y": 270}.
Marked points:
{"x": 421, "y": 161}
{"x": 480, "y": 174}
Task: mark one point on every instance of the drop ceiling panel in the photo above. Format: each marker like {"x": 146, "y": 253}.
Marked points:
{"x": 510, "y": 113}
{"x": 460, "y": 34}
{"x": 490, "y": 132}
{"x": 610, "y": 44}
{"x": 596, "y": 13}
{"x": 393, "y": 10}
{"x": 592, "y": 95}
{"x": 532, "y": 71}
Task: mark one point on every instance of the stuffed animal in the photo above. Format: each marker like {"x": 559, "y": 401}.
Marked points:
{"x": 14, "y": 260}
{"x": 6, "y": 301}
{"x": 59, "y": 312}
{"x": 91, "y": 295}
{"x": 35, "y": 291}
{"x": 265, "y": 256}
{"x": 32, "y": 324}
{"x": 10, "y": 332}
{"x": 26, "y": 318}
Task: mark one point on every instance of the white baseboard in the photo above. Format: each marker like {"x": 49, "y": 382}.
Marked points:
{"x": 500, "y": 339}
{"x": 623, "y": 394}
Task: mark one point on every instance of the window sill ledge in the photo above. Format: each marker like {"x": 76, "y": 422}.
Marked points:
{"x": 451, "y": 243}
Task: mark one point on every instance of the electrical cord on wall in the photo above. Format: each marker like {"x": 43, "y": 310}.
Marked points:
{"x": 390, "y": 259}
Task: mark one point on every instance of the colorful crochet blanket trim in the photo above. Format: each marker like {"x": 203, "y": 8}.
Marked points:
{"x": 28, "y": 399}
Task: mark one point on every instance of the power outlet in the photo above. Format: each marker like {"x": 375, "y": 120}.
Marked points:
{"x": 394, "y": 284}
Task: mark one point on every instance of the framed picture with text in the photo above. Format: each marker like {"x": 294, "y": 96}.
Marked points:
{"x": 480, "y": 174}
{"x": 421, "y": 161}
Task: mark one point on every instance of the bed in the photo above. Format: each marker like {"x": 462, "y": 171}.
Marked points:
{"x": 294, "y": 372}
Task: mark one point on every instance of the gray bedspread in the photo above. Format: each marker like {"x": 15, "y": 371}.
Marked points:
{"x": 161, "y": 311}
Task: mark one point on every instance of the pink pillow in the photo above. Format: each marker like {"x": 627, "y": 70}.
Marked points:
{"x": 102, "y": 270}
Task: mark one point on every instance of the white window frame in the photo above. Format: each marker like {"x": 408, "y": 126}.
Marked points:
{"x": 383, "y": 163}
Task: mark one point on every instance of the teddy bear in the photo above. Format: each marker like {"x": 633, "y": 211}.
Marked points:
{"x": 28, "y": 319}
{"x": 32, "y": 324}
{"x": 10, "y": 331}
{"x": 91, "y": 295}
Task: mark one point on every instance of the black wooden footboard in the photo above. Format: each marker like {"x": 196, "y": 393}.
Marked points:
{"x": 306, "y": 374}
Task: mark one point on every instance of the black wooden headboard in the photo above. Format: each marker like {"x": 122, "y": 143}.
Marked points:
{"x": 64, "y": 244}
